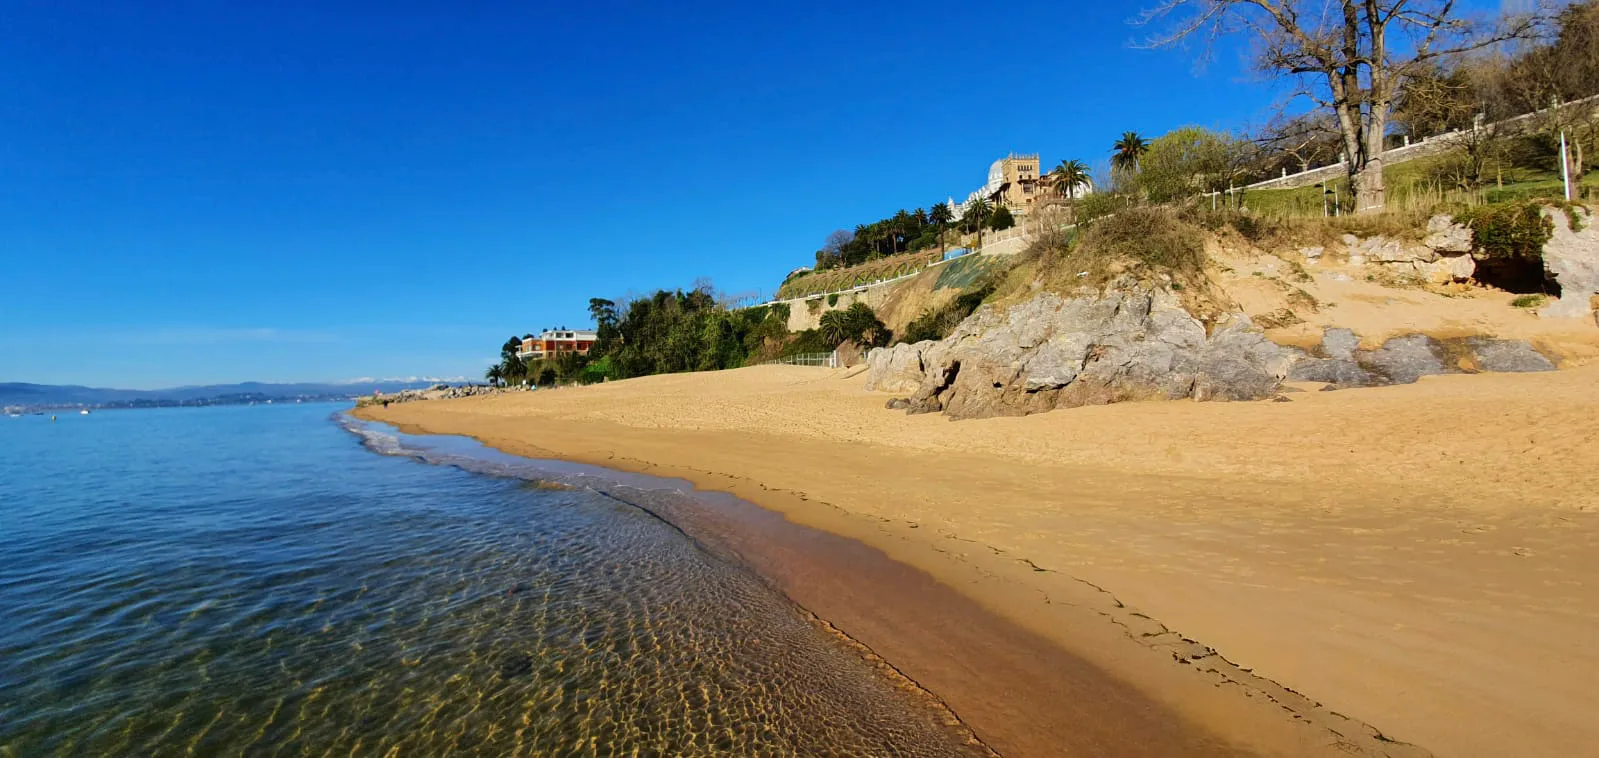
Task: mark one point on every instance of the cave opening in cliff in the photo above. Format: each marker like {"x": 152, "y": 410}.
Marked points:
{"x": 1522, "y": 276}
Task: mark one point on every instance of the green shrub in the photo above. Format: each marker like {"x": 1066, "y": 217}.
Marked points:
{"x": 938, "y": 323}
{"x": 1509, "y": 230}
{"x": 1528, "y": 301}
{"x": 808, "y": 341}
{"x": 1152, "y": 239}
{"x": 928, "y": 239}
{"x": 1097, "y": 205}
{"x": 1002, "y": 219}
{"x": 832, "y": 300}
{"x": 1248, "y": 227}
{"x": 598, "y": 371}
{"x": 857, "y": 323}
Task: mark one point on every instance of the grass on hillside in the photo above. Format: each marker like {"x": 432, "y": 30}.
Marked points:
{"x": 1412, "y": 185}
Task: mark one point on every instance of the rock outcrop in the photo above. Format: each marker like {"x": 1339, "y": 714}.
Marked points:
{"x": 1403, "y": 360}
{"x": 1338, "y": 361}
{"x": 1129, "y": 343}
{"x": 1572, "y": 258}
{"x": 1133, "y": 344}
{"x": 1443, "y": 256}
{"x": 1506, "y": 356}
{"x": 897, "y": 368}
{"x": 1445, "y": 237}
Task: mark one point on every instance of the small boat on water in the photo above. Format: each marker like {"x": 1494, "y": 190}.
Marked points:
{"x": 84, "y": 412}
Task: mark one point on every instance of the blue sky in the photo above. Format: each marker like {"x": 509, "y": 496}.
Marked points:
{"x": 206, "y": 192}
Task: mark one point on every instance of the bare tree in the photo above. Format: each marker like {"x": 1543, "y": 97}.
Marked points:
{"x": 1310, "y": 140}
{"x": 1352, "y": 56}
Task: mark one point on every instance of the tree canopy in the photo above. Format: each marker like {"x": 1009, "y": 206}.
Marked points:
{"x": 902, "y": 232}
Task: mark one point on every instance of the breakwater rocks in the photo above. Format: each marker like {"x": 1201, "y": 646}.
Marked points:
{"x": 1129, "y": 343}
{"x": 437, "y": 392}
{"x": 1139, "y": 344}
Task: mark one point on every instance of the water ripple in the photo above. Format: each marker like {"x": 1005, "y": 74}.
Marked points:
{"x": 249, "y": 581}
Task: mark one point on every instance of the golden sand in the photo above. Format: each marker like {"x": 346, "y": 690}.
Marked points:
{"x": 1419, "y": 558}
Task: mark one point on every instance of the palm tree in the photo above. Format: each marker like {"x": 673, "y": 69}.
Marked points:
{"x": 1128, "y": 149}
{"x": 977, "y": 210}
{"x": 862, "y": 324}
{"x": 940, "y": 215}
{"x": 1070, "y": 175}
{"x": 897, "y": 226}
{"x": 834, "y": 326}
{"x": 494, "y": 374}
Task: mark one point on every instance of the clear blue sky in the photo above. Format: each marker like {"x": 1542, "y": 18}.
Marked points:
{"x": 205, "y": 192}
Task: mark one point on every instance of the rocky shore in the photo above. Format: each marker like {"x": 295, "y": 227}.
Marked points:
{"x": 437, "y": 392}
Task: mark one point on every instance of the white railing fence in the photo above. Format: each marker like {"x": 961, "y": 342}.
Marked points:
{"x": 825, "y": 360}
{"x": 1416, "y": 149}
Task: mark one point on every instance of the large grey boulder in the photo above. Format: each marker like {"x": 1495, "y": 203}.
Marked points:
{"x": 1333, "y": 361}
{"x": 1572, "y": 257}
{"x": 897, "y": 368}
{"x": 1446, "y": 237}
{"x": 1339, "y": 343}
{"x": 1340, "y": 373}
{"x": 1238, "y": 363}
{"x": 1403, "y": 360}
{"x": 1385, "y": 250}
{"x": 1128, "y": 343}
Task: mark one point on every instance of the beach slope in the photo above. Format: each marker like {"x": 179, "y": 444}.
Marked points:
{"x": 1421, "y": 559}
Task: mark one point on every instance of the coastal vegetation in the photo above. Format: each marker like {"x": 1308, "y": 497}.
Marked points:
{"x": 938, "y": 323}
{"x": 906, "y": 231}
{"x": 858, "y": 323}
{"x": 673, "y": 331}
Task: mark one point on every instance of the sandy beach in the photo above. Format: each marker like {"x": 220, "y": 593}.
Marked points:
{"x": 1421, "y": 559}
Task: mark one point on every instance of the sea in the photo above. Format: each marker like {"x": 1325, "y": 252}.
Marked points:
{"x": 286, "y": 580}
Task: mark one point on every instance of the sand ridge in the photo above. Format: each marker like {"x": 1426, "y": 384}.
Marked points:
{"x": 1421, "y": 558}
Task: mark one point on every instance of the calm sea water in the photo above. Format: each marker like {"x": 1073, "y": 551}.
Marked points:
{"x": 257, "y": 581}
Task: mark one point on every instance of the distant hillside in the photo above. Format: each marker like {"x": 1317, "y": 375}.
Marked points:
{"x": 22, "y": 394}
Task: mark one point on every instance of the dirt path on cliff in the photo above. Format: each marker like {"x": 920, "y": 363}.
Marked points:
{"x": 1422, "y": 558}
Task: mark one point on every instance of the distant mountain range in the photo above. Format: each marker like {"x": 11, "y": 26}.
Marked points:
{"x": 24, "y": 395}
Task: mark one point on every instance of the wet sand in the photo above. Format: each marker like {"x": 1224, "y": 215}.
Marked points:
{"x": 1419, "y": 558}
{"x": 1018, "y": 692}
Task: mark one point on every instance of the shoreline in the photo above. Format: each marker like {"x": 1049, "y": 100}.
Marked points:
{"x": 1351, "y": 562}
{"x": 1011, "y": 682}
{"x": 1008, "y": 684}
{"x": 1021, "y": 693}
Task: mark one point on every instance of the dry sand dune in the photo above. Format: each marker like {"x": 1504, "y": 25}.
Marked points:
{"x": 1421, "y": 558}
